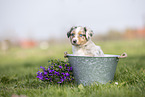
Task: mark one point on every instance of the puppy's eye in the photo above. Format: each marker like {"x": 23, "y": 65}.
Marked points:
{"x": 81, "y": 35}
{"x": 72, "y": 34}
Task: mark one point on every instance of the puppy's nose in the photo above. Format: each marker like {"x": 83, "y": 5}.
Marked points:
{"x": 74, "y": 41}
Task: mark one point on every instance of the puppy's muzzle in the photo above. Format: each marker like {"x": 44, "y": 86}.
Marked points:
{"x": 74, "y": 41}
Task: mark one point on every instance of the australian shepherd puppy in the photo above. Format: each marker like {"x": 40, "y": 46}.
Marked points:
{"x": 80, "y": 38}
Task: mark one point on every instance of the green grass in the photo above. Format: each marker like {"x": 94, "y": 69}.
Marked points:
{"x": 18, "y": 68}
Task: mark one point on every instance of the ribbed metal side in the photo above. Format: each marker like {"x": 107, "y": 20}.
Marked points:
{"x": 88, "y": 70}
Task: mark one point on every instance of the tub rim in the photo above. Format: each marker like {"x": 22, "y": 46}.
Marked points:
{"x": 105, "y": 56}
{"x": 123, "y": 55}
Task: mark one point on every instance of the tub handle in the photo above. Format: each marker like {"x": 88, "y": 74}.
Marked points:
{"x": 124, "y": 55}
{"x": 65, "y": 54}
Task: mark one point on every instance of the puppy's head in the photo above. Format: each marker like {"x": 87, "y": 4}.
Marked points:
{"x": 79, "y": 35}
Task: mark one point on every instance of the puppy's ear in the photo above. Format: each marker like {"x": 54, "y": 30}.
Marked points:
{"x": 69, "y": 33}
{"x": 89, "y": 33}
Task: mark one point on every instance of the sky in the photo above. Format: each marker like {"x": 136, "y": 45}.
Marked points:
{"x": 45, "y": 19}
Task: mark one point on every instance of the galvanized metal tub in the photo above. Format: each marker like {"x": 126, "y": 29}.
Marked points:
{"x": 87, "y": 69}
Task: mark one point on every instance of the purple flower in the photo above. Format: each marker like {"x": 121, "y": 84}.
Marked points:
{"x": 58, "y": 74}
{"x": 50, "y": 74}
{"x": 50, "y": 71}
{"x": 62, "y": 79}
{"x": 42, "y": 68}
{"x": 40, "y": 76}
{"x": 38, "y": 72}
{"x": 63, "y": 73}
{"x": 60, "y": 67}
{"x": 45, "y": 73}
{"x": 37, "y": 76}
{"x": 67, "y": 74}
{"x": 71, "y": 68}
{"x": 55, "y": 72}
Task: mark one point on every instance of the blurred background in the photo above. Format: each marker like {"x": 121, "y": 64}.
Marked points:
{"x": 31, "y": 24}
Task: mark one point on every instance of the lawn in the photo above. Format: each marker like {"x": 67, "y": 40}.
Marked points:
{"x": 18, "y": 68}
